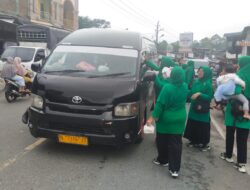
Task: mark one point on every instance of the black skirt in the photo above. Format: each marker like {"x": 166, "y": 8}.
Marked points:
{"x": 197, "y": 132}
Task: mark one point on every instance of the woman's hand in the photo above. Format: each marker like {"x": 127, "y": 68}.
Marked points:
{"x": 150, "y": 120}
{"x": 195, "y": 96}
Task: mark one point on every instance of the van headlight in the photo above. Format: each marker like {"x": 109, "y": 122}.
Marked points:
{"x": 127, "y": 109}
{"x": 37, "y": 101}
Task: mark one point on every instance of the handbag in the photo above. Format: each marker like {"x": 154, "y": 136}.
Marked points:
{"x": 236, "y": 108}
{"x": 149, "y": 129}
{"x": 201, "y": 106}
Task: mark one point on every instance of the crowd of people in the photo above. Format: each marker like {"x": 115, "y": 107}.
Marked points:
{"x": 175, "y": 85}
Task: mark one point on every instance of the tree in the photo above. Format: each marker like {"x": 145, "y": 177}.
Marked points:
{"x": 163, "y": 45}
{"x": 86, "y": 22}
{"x": 175, "y": 46}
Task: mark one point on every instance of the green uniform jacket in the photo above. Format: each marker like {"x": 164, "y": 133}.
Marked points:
{"x": 159, "y": 80}
{"x": 170, "y": 110}
{"x": 204, "y": 86}
{"x": 189, "y": 71}
{"x": 244, "y": 74}
{"x": 151, "y": 65}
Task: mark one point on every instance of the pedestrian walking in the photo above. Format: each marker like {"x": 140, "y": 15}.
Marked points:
{"x": 198, "y": 124}
{"x": 237, "y": 123}
{"x": 170, "y": 116}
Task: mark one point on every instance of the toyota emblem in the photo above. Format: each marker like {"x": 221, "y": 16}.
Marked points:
{"x": 76, "y": 99}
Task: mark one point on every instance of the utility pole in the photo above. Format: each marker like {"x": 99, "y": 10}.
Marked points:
{"x": 157, "y": 32}
{"x": 17, "y": 7}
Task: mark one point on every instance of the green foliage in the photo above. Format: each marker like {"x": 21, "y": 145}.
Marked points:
{"x": 163, "y": 45}
{"x": 86, "y": 22}
{"x": 214, "y": 43}
{"x": 175, "y": 46}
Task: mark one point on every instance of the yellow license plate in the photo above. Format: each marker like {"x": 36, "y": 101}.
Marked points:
{"x": 73, "y": 140}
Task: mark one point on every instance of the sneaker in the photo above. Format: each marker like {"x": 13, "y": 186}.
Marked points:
{"x": 190, "y": 145}
{"x": 241, "y": 167}
{"x": 174, "y": 174}
{"x": 224, "y": 157}
{"x": 205, "y": 148}
{"x": 156, "y": 162}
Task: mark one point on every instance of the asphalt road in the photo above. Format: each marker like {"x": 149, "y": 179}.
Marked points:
{"x": 27, "y": 163}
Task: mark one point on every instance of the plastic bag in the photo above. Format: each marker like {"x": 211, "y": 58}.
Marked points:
{"x": 149, "y": 129}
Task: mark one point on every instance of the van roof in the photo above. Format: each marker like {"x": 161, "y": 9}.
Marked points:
{"x": 26, "y": 47}
{"x": 104, "y": 38}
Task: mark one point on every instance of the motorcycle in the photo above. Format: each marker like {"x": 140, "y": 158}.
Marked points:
{"x": 12, "y": 89}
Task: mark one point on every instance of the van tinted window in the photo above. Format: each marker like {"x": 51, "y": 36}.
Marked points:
{"x": 92, "y": 61}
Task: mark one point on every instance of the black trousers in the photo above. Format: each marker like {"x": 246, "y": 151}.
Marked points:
{"x": 169, "y": 150}
{"x": 241, "y": 141}
{"x": 197, "y": 132}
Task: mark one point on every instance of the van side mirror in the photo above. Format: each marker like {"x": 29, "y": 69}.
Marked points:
{"x": 39, "y": 56}
{"x": 36, "y": 67}
{"x": 149, "y": 76}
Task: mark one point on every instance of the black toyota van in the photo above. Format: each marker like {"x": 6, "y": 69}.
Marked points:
{"x": 93, "y": 89}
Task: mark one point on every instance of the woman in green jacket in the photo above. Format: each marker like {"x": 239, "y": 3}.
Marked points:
{"x": 238, "y": 124}
{"x": 198, "y": 124}
{"x": 159, "y": 80}
{"x": 170, "y": 117}
{"x": 189, "y": 71}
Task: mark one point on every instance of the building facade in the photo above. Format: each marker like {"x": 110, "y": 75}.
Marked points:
{"x": 58, "y": 13}
{"x": 238, "y": 43}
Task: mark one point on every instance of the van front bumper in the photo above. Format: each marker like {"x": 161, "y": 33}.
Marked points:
{"x": 99, "y": 129}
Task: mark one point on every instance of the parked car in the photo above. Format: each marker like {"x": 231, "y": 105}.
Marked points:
{"x": 199, "y": 63}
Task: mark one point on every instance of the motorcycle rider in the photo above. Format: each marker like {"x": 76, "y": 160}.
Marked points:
{"x": 10, "y": 72}
{"x": 21, "y": 71}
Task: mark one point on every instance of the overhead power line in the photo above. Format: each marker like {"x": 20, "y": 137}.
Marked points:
{"x": 130, "y": 13}
{"x": 173, "y": 32}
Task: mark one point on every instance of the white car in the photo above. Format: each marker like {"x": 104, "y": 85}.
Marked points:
{"x": 28, "y": 55}
{"x": 199, "y": 63}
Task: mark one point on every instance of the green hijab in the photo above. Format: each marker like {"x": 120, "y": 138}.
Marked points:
{"x": 184, "y": 66}
{"x": 244, "y": 73}
{"x": 177, "y": 76}
{"x": 190, "y": 63}
{"x": 166, "y": 62}
{"x": 243, "y": 62}
{"x": 207, "y": 74}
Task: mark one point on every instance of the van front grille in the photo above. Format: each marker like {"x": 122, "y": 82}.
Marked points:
{"x": 79, "y": 128}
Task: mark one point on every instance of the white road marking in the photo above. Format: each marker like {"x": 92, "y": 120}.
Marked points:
{"x": 21, "y": 154}
{"x": 221, "y": 133}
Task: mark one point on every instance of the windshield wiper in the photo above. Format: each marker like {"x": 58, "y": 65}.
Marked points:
{"x": 65, "y": 71}
{"x": 110, "y": 75}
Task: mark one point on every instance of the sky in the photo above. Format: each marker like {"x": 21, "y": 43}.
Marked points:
{"x": 202, "y": 17}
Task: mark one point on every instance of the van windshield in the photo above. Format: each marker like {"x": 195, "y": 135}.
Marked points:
{"x": 26, "y": 54}
{"x": 92, "y": 61}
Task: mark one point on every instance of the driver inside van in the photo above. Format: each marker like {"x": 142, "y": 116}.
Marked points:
{"x": 85, "y": 66}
